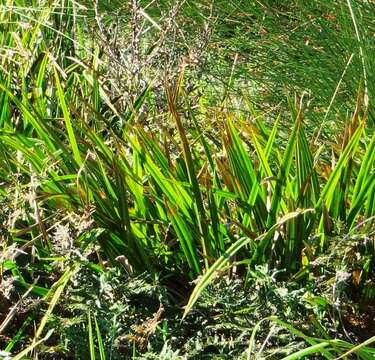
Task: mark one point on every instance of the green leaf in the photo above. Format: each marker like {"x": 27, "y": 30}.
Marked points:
{"x": 67, "y": 119}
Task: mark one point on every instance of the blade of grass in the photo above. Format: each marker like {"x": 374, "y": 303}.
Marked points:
{"x": 67, "y": 119}
{"x": 91, "y": 338}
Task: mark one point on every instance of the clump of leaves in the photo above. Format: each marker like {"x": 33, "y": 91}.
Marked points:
{"x": 126, "y": 310}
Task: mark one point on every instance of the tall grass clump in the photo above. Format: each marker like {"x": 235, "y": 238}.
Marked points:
{"x": 104, "y": 163}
